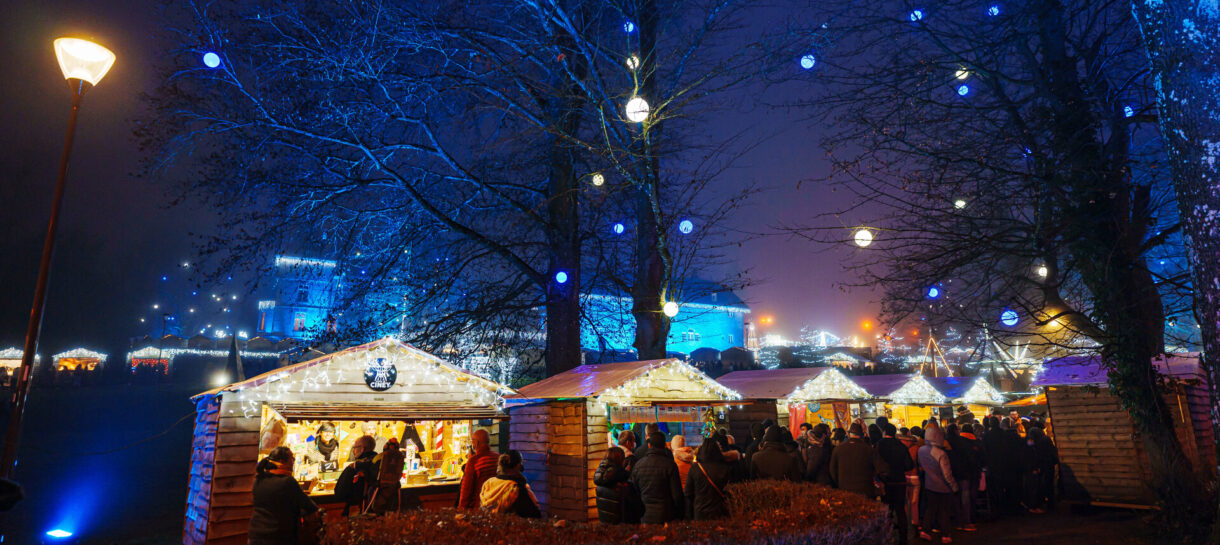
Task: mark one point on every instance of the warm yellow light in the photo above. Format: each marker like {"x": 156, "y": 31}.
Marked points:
{"x": 598, "y": 179}
{"x": 637, "y": 110}
{"x": 959, "y": 204}
{"x": 867, "y": 325}
{"x": 670, "y": 309}
{"x": 1042, "y": 271}
{"x": 863, "y": 237}
{"x": 962, "y": 73}
{"x": 633, "y": 62}
{"x": 83, "y": 59}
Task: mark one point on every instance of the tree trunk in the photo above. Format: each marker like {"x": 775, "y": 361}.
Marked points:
{"x": 653, "y": 261}
{"x": 563, "y": 233}
{"x": 1183, "y": 42}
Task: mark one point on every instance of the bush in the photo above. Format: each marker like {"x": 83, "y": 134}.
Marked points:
{"x": 764, "y": 513}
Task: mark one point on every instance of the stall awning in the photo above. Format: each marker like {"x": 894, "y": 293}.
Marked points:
{"x": 371, "y": 411}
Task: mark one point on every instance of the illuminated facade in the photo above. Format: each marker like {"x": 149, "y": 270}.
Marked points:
{"x": 715, "y": 318}
{"x": 305, "y": 293}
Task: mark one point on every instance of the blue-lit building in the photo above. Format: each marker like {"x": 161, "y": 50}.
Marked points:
{"x": 709, "y": 316}
{"x": 305, "y": 293}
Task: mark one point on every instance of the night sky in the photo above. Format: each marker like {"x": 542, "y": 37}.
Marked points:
{"x": 118, "y": 235}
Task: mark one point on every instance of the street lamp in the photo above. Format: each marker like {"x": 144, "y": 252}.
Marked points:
{"x": 83, "y": 63}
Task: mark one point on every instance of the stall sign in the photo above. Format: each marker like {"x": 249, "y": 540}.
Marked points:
{"x": 380, "y": 374}
{"x": 842, "y": 414}
{"x": 661, "y": 413}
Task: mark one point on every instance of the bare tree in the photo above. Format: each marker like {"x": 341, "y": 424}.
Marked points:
{"x": 1002, "y": 159}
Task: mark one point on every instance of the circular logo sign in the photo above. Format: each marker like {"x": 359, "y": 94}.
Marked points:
{"x": 380, "y": 374}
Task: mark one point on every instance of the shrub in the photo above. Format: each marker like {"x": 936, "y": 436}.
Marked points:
{"x": 763, "y": 513}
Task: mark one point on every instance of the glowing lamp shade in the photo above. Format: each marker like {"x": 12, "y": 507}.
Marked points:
{"x": 670, "y": 309}
{"x": 933, "y": 292}
{"x": 633, "y": 62}
{"x": 59, "y": 533}
{"x": 808, "y": 61}
{"x": 83, "y": 59}
{"x": 561, "y": 277}
{"x": 598, "y": 179}
{"x": 686, "y": 226}
{"x": 1008, "y": 317}
{"x": 211, "y": 59}
{"x": 959, "y": 204}
{"x": 993, "y": 10}
{"x": 962, "y": 73}
{"x": 963, "y": 90}
{"x": 637, "y": 110}
{"x": 619, "y": 228}
{"x": 863, "y": 238}
{"x": 628, "y": 27}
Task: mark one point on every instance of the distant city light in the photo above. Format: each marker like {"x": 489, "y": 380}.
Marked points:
{"x": 186, "y": 264}
{"x": 561, "y": 277}
{"x": 629, "y": 27}
{"x": 220, "y": 333}
{"x": 916, "y": 15}
{"x": 767, "y": 320}
{"x": 993, "y": 10}
{"x": 59, "y": 533}
{"x": 164, "y": 278}
{"x": 598, "y": 179}
{"x": 866, "y": 325}
{"x": 1008, "y": 317}
{"x": 192, "y": 311}
{"x": 863, "y": 237}
{"x": 1128, "y": 111}
{"x": 211, "y": 59}
{"x": 959, "y": 204}
{"x": 242, "y": 335}
{"x": 933, "y": 292}
{"x": 141, "y": 320}
{"x": 808, "y": 61}
{"x": 686, "y": 227}
{"x": 670, "y": 309}
{"x": 637, "y": 110}
{"x": 234, "y": 297}
{"x": 963, "y": 90}
{"x": 619, "y": 228}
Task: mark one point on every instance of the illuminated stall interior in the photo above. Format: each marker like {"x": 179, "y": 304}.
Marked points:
{"x": 10, "y": 361}
{"x": 906, "y": 400}
{"x": 79, "y": 359}
{"x": 793, "y": 396}
{"x": 385, "y": 389}
{"x": 563, "y": 425}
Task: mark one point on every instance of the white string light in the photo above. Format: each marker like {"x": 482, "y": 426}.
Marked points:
{"x": 830, "y": 384}
{"x": 918, "y": 391}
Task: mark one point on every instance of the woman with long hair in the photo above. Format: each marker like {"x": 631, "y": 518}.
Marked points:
{"x": 279, "y": 502}
{"x": 705, "y": 495}
{"x": 508, "y": 491}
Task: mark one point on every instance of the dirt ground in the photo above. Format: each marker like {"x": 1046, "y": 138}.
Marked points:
{"x": 1066, "y": 525}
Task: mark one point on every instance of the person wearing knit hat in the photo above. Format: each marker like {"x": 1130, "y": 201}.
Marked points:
{"x": 772, "y": 461}
{"x": 853, "y": 464}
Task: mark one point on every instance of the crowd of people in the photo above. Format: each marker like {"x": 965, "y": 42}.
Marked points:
{"x": 934, "y": 478}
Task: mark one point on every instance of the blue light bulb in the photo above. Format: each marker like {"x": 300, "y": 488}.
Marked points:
{"x": 1008, "y": 317}
{"x": 1128, "y": 111}
{"x": 933, "y": 292}
{"x": 686, "y": 226}
{"x": 619, "y": 228}
{"x": 963, "y": 90}
{"x": 993, "y": 10}
{"x": 561, "y": 277}
{"x": 916, "y": 15}
{"x": 628, "y": 27}
{"x": 808, "y": 61}
{"x": 211, "y": 59}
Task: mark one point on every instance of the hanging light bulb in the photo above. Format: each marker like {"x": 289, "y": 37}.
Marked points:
{"x": 959, "y": 204}
{"x": 863, "y": 237}
{"x": 1042, "y": 271}
{"x": 962, "y": 73}
{"x": 598, "y": 179}
{"x": 670, "y": 309}
{"x": 633, "y": 62}
{"x": 637, "y": 110}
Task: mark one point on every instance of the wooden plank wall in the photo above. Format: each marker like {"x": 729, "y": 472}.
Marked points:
{"x": 199, "y": 489}
{"x": 233, "y": 479}
{"x": 741, "y": 419}
{"x": 597, "y": 442}
{"x": 568, "y": 481}
{"x": 1199, "y": 403}
{"x": 529, "y": 434}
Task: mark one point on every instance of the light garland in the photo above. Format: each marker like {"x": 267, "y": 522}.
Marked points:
{"x": 918, "y": 391}
{"x": 982, "y": 393}
{"x": 80, "y": 353}
{"x": 152, "y": 352}
{"x": 16, "y": 354}
{"x": 830, "y": 384}
{"x": 290, "y": 261}
{"x": 629, "y": 393}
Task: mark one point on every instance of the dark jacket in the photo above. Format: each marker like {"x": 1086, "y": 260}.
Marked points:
{"x": 853, "y": 467}
{"x": 996, "y": 451}
{"x": 817, "y": 462}
{"x": 279, "y": 504}
{"x": 705, "y": 498}
{"x": 356, "y": 479}
{"x": 655, "y": 477}
{"x": 773, "y": 461}
{"x": 966, "y": 457}
{"x": 612, "y": 492}
{"x": 895, "y": 461}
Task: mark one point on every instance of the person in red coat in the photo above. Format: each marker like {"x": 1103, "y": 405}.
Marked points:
{"x": 480, "y": 467}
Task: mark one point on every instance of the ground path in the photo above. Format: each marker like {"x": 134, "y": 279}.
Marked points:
{"x": 1064, "y": 526}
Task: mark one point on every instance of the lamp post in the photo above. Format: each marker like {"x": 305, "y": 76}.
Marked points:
{"x": 83, "y": 63}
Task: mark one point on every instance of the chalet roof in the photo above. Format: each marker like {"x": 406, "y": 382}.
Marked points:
{"x": 882, "y": 385}
{"x": 1088, "y": 370}
{"x": 769, "y": 383}
{"x": 975, "y": 390}
{"x": 618, "y": 380}
{"x": 903, "y": 389}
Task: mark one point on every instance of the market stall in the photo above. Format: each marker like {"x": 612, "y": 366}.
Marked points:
{"x": 73, "y": 367}
{"x": 975, "y": 393}
{"x": 1101, "y": 460}
{"x": 791, "y": 397}
{"x": 907, "y": 400}
{"x": 10, "y": 362}
{"x": 319, "y": 408}
{"x": 563, "y": 425}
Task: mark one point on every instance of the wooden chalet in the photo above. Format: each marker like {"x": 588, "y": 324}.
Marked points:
{"x": 905, "y": 399}
{"x": 429, "y": 406}
{"x": 791, "y": 397}
{"x": 976, "y": 393}
{"x": 563, "y": 425}
{"x": 1102, "y": 460}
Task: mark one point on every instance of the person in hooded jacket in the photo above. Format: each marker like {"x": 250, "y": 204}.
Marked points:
{"x": 772, "y": 461}
{"x": 684, "y": 456}
{"x": 896, "y": 462}
{"x": 817, "y": 455}
{"x": 705, "y": 496}
{"x": 508, "y": 491}
{"x": 938, "y": 483}
{"x": 655, "y": 477}
{"x": 279, "y": 502}
{"x": 612, "y": 488}
{"x": 853, "y": 464}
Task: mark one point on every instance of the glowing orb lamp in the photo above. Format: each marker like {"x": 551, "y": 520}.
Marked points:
{"x": 963, "y": 90}
{"x": 686, "y": 226}
{"x": 1008, "y": 317}
{"x": 637, "y": 110}
{"x": 933, "y": 292}
{"x": 863, "y": 237}
{"x": 808, "y": 61}
{"x": 619, "y": 228}
{"x": 916, "y": 15}
{"x": 211, "y": 59}
{"x": 598, "y": 179}
{"x": 670, "y": 309}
